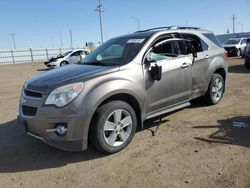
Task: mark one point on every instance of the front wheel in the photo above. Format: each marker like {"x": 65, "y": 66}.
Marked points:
{"x": 216, "y": 89}
{"x": 113, "y": 126}
{"x": 63, "y": 63}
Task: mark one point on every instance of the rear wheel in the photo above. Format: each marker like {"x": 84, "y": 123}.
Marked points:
{"x": 63, "y": 63}
{"x": 113, "y": 126}
{"x": 216, "y": 89}
{"x": 247, "y": 65}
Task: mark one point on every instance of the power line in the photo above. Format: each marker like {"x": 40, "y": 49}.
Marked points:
{"x": 99, "y": 9}
{"x": 70, "y": 34}
{"x": 234, "y": 18}
{"x": 61, "y": 38}
{"x": 14, "y": 40}
{"x": 138, "y": 22}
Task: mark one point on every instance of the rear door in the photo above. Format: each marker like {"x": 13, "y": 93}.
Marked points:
{"x": 200, "y": 65}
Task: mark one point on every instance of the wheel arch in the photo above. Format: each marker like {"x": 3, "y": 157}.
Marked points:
{"x": 125, "y": 97}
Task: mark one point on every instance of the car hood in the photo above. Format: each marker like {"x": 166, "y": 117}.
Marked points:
{"x": 48, "y": 81}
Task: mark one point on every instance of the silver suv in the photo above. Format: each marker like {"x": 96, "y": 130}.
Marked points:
{"x": 125, "y": 81}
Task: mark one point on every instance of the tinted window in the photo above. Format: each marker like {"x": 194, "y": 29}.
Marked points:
{"x": 76, "y": 53}
{"x": 213, "y": 38}
{"x": 232, "y": 41}
{"x": 196, "y": 42}
{"x": 163, "y": 50}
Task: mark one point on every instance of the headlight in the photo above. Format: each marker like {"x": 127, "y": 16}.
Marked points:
{"x": 65, "y": 94}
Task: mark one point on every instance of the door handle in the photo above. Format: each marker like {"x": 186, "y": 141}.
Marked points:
{"x": 207, "y": 57}
{"x": 185, "y": 65}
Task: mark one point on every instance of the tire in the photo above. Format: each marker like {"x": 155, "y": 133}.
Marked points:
{"x": 108, "y": 131}
{"x": 215, "y": 90}
{"x": 63, "y": 63}
{"x": 238, "y": 53}
{"x": 247, "y": 65}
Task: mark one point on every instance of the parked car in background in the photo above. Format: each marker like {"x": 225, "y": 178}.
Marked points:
{"x": 235, "y": 46}
{"x": 247, "y": 57}
{"x": 69, "y": 57}
{"x": 124, "y": 82}
{"x": 244, "y": 52}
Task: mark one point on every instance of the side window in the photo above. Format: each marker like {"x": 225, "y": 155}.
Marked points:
{"x": 204, "y": 45}
{"x": 196, "y": 42}
{"x": 213, "y": 38}
{"x": 76, "y": 53}
{"x": 243, "y": 41}
{"x": 164, "y": 50}
{"x": 181, "y": 48}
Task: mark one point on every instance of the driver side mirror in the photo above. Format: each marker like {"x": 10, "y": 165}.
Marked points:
{"x": 154, "y": 70}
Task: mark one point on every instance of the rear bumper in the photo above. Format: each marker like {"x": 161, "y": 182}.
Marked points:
{"x": 232, "y": 51}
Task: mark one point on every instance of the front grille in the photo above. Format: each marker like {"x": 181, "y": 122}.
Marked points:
{"x": 29, "y": 110}
{"x": 33, "y": 94}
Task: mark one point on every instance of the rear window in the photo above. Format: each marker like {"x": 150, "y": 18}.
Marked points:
{"x": 213, "y": 38}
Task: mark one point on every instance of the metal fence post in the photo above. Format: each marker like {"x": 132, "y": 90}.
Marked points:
{"x": 47, "y": 54}
{"x": 31, "y": 55}
{"x": 12, "y": 55}
{"x": 60, "y": 50}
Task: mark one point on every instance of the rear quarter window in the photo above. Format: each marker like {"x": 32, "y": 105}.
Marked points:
{"x": 213, "y": 38}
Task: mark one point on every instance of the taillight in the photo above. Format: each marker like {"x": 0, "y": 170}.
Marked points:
{"x": 226, "y": 54}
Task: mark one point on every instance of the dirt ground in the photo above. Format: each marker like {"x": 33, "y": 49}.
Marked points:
{"x": 194, "y": 147}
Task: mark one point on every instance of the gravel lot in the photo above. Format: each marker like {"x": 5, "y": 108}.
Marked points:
{"x": 194, "y": 147}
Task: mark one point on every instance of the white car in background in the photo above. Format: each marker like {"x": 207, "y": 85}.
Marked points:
{"x": 235, "y": 46}
{"x": 69, "y": 57}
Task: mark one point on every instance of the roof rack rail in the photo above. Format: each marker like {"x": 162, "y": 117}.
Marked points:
{"x": 168, "y": 28}
{"x": 184, "y": 27}
{"x": 155, "y": 28}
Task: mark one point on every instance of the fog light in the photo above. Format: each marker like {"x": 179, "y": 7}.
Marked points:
{"x": 61, "y": 129}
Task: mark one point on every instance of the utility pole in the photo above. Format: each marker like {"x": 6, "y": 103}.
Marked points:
{"x": 234, "y": 18}
{"x": 70, "y": 34}
{"x": 138, "y": 22}
{"x": 99, "y": 9}
{"x": 14, "y": 40}
{"x": 61, "y": 38}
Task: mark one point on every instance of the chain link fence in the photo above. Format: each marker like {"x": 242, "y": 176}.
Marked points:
{"x": 29, "y": 55}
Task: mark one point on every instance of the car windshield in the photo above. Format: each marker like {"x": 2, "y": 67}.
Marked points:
{"x": 66, "y": 53}
{"x": 232, "y": 41}
{"x": 118, "y": 51}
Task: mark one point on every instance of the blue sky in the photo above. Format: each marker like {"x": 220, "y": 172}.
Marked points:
{"x": 39, "y": 23}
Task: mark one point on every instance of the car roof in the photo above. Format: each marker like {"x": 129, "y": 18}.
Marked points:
{"x": 170, "y": 29}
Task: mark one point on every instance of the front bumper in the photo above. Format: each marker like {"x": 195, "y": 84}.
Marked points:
{"x": 51, "y": 64}
{"x": 48, "y": 117}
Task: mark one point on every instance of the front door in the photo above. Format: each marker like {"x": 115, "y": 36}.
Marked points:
{"x": 175, "y": 85}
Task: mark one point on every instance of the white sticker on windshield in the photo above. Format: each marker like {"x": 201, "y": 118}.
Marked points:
{"x": 135, "y": 40}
